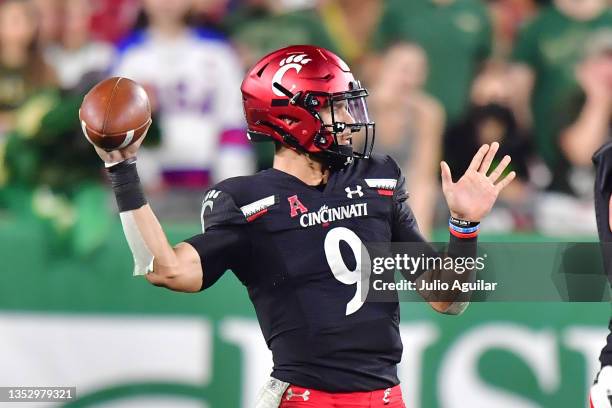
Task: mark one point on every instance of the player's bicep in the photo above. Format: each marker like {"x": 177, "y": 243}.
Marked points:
{"x": 185, "y": 276}
{"x": 219, "y": 250}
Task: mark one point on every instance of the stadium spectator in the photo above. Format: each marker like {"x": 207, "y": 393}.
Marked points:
{"x": 335, "y": 24}
{"x": 489, "y": 119}
{"x": 79, "y": 62}
{"x": 507, "y": 17}
{"x": 52, "y": 176}
{"x": 49, "y": 21}
{"x": 456, "y": 35}
{"x": 193, "y": 77}
{"x": 47, "y": 172}
{"x": 590, "y": 119}
{"x": 409, "y": 125}
{"x": 351, "y": 27}
{"x": 112, "y": 20}
{"x": 584, "y": 126}
{"x": 23, "y": 71}
{"x": 546, "y": 53}
{"x": 258, "y": 27}
{"x": 210, "y": 13}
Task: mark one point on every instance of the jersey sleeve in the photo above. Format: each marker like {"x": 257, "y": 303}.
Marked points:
{"x": 404, "y": 226}
{"x": 223, "y": 243}
{"x": 602, "y": 194}
{"x": 603, "y": 191}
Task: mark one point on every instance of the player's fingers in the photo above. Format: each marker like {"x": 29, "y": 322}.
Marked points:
{"x": 477, "y": 160}
{"x": 447, "y": 178}
{"x": 499, "y": 170}
{"x": 488, "y": 159}
{"x": 505, "y": 181}
{"x": 109, "y": 157}
{"x": 102, "y": 153}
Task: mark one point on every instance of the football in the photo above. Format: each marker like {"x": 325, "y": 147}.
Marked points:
{"x": 115, "y": 113}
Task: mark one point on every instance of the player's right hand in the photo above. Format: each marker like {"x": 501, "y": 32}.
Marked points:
{"x": 116, "y": 156}
{"x": 601, "y": 391}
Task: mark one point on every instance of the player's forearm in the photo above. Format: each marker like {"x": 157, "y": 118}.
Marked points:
{"x": 142, "y": 230}
{"x": 154, "y": 237}
{"x": 463, "y": 251}
{"x": 177, "y": 268}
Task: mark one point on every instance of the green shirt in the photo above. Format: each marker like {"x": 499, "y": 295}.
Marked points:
{"x": 552, "y": 44}
{"x": 263, "y": 33}
{"x": 456, "y": 37}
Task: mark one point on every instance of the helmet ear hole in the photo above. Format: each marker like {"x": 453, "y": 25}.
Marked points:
{"x": 311, "y": 102}
{"x": 323, "y": 140}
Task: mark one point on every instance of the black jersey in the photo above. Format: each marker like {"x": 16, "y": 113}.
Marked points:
{"x": 289, "y": 244}
{"x": 603, "y": 190}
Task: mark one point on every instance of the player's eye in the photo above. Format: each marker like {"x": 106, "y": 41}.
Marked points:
{"x": 340, "y": 106}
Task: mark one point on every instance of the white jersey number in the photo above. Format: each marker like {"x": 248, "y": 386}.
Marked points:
{"x": 360, "y": 275}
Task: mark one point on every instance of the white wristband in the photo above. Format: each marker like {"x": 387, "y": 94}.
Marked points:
{"x": 143, "y": 258}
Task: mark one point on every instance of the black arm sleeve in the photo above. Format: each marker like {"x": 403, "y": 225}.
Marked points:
{"x": 603, "y": 189}
{"x": 224, "y": 242}
{"x": 405, "y": 229}
{"x": 404, "y": 226}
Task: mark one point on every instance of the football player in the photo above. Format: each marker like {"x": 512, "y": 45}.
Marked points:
{"x": 601, "y": 391}
{"x": 287, "y": 232}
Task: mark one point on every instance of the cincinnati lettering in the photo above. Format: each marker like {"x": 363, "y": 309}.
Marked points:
{"x": 325, "y": 215}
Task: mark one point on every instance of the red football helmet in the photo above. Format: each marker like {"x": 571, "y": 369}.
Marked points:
{"x": 284, "y": 93}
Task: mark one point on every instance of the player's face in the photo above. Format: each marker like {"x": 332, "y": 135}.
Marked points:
{"x": 341, "y": 114}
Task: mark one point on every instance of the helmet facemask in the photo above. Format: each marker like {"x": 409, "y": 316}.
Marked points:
{"x": 347, "y": 112}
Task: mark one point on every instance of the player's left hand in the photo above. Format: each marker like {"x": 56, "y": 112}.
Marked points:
{"x": 473, "y": 196}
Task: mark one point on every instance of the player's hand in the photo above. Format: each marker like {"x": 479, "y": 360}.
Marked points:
{"x": 473, "y": 196}
{"x": 116, "y": 156}
{"x": 601, "y": 391}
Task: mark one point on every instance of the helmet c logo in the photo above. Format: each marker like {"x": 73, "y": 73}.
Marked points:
{"x": 291, "y": 62}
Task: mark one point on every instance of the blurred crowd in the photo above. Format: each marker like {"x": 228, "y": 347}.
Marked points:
{"x": 444, "y": 77}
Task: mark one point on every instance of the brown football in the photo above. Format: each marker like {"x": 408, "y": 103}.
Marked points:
{"x": 115, "y": 113}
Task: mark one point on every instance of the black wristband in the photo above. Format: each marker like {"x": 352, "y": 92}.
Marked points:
{"x": 126, "y": 185}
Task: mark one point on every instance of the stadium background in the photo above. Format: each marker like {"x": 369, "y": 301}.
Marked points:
{"x": 444, "y": 76}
